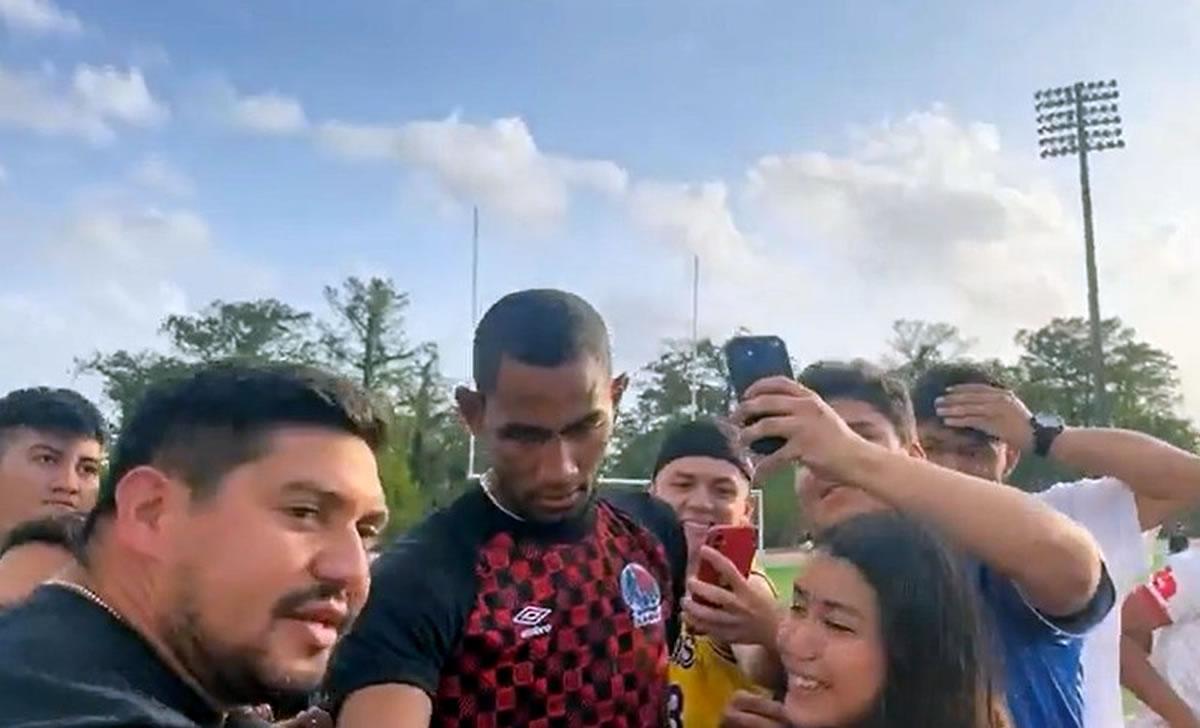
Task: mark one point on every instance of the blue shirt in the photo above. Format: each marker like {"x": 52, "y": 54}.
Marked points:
{"x": 1041, "y": 654}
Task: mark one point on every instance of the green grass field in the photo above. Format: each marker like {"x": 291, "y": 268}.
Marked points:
{"x": 781, "y": 577}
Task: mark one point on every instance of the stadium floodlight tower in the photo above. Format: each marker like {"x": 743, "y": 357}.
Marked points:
{"x": 1077, "y": 120}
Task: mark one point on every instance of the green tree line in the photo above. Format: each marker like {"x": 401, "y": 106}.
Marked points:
{"x": 361, "y": 333}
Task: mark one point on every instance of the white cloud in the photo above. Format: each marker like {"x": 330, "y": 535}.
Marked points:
{"x": 924, "y": 184}
{"x": 95, "y": 100}
{"x": 38, "y": 17}
{"x": 268, "y": 113}
{"x": 497, "y": 166}
{"x": 694, "y": 218}
{"x": 746, "y": 280}
{"x": 116, "y": 271}
{"x": 927, "y": 201}
{"x": 119, "y": 95}
{"x": 929, "y": 216}
{"x": 1148, "y": 228}
{"x": 157, "y": 174}
{"x": 3, "y": 174}
{"x": 104, "y": 281}
{"x": 143, "y": 238}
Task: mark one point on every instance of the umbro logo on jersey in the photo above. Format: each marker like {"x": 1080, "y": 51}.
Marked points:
{"x": 531, "y": 618}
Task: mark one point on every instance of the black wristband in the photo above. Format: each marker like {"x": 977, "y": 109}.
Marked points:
{"x": 1046, "y": 429}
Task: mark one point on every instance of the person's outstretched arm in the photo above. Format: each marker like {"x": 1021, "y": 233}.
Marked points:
{"x": 1054, "y": 561}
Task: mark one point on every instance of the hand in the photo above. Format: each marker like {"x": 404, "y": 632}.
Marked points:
{"x": 261, "y": 715}
{"x": 815, "y": 435}
{"x": 249, "y": 716}
{"x": 993, "y": 411}
{"x": 311, "y": 718}
{"x": 1189, "y": 721}
{"x": 751, "y": 710}
{"x": 694, "y": 534}
{"x": 739, "y": 615}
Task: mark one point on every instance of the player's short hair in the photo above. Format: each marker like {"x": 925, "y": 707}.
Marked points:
{"x": 219, "y": 417}
{"x": 937, "y": 379}
{"x": 703, "y": 438}
{"x": 541, "y": 327}
{"x": 48, "y": 409}
{"x": 864, "y": 382}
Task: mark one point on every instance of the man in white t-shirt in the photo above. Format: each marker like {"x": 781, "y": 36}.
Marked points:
{"x": 969, "y": 421}
{"x": 1160, "y": 646}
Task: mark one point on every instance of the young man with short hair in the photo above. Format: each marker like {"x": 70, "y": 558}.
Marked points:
{"x": 970, "y": 421}
{"x": 852, "y": 429}
{"x": 35, "y": 551}
{"x": 225, "y": 556}
{"x": 704, "y": 474}
{"x": 51, "y": 453}
{"x": 529, "y": 600}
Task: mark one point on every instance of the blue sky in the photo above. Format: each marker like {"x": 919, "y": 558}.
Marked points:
{"x": 835, "y": 165}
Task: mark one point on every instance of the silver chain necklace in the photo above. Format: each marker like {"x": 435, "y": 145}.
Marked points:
{"x": 89, "y": 595}
{"x": 95, "y": 598}
{"x": 487, "y": 481}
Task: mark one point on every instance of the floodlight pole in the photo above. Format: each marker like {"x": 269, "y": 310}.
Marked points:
{"x": 1100, "y": 412}
{"x": 1079, "y": 128}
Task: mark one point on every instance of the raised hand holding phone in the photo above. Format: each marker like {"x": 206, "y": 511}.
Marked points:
{"x": 753, "y": 358}
{"x": 736, "y": 543}
{"x": 814, "y": 434}
{"x": 736, "y": 612}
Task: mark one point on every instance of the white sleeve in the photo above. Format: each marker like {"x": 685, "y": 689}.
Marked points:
{"x": 1107, "y": 508}
{"x": 1176, "y": 586}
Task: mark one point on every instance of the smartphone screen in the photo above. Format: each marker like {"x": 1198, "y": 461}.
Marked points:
{"x": 751, "y": 358}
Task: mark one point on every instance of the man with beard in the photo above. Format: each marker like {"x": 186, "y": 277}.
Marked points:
{"x": 529, "y": 600}
{"x": 223, "y": 559}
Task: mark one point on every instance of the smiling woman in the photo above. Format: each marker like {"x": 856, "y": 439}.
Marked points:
{"x": 885, "y": 632}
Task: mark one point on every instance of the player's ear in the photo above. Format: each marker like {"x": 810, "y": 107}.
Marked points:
{"x": 1012, "y": 458}
{"x": 617, "y": 388}
{"x": 470, "y": 408}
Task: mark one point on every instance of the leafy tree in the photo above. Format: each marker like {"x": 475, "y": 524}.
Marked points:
{"x": 917, "y": 345}
{"x": 662, "y": 395}
{"x": 1143, "y": 381}
{"x": 783, "y": 521}
{"x": 437, "y": 446}
{"x": 366, "y": 337}
{"x": 1053, "y": 374}
{"x": 406, "y": 501}
{"x": 126, "y": 376}
{"x": 265, "y": 329}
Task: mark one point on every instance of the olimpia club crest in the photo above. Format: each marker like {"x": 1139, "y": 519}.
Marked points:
{"x": 640, "y": 591}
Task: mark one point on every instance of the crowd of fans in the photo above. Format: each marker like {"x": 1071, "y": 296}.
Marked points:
{"x": 214, "y": 567}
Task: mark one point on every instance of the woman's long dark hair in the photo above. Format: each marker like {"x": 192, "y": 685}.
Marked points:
{"x": 940, "y": 673}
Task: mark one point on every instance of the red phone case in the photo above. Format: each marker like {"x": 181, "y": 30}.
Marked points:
{"x": 736, "y": 543}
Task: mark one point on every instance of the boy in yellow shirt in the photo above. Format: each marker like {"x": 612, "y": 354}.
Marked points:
{"x": 705, "y": 476}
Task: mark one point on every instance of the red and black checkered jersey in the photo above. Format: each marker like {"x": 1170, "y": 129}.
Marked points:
{"x": 513, "y": 623}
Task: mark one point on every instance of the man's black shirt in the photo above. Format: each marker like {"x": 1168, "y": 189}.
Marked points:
{"x": 508, "y": 622}
{"x": 65, "y": 662}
